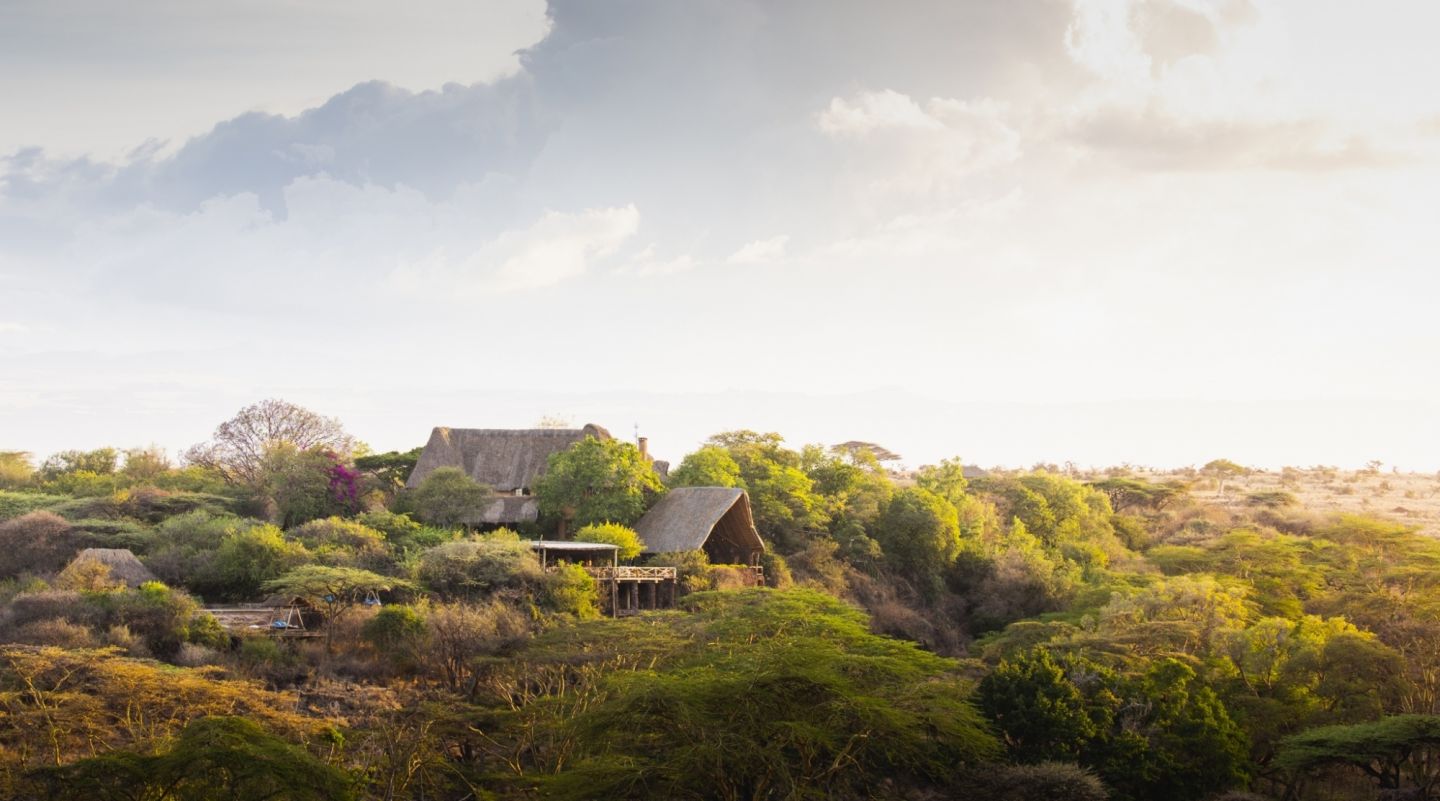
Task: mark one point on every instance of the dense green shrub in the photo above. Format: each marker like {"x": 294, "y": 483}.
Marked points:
{"x": 623, "y": 537}
{"x": 160, "y": 618}
{"x": 764, "y": 694}
{"x": 777, "y": 571}
{"x": 692, "y": 569}
{"x": 446, "y": 497}
{"x": 403, "y": 534}
{"x": 397, "y": 632}
{"x": 480, "y": 566}
{"x": 213, "y": 758}
{"x": 569, "y": 590}
{"x": 347, "y": 543}
{"x": 38, "y": 543}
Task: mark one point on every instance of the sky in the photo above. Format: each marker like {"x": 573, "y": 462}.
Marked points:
{"x": 1099, "y": 231}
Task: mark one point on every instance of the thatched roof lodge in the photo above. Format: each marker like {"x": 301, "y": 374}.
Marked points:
{"x": 122, "y": 566}
{"x": 716, "y": 520}
{"x": 507, "y": 460}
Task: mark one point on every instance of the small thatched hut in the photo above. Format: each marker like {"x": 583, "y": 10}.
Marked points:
{"x": 120, "y": 566}
{"x": 716, "y": 520}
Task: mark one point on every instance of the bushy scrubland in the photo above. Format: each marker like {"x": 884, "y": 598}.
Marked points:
{"x": 926, "y": 635}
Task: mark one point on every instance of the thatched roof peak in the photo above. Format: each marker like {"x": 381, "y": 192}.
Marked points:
{"x": 714, "y": 519}
{"x": 502, "y": 458}
{"x": 123, "y": 565}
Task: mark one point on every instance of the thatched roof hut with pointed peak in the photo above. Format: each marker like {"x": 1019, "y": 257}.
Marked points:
{"x": 716, "y": 520}
{"x": 123, "y": 567}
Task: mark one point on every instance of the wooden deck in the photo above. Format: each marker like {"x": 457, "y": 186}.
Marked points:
{"x": 631, "y": 573}
{"x": 261, "y": 618}
{"x": 628, "y": 589}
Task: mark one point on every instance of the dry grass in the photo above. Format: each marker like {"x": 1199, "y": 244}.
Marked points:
{"x": 1409, "y": 498}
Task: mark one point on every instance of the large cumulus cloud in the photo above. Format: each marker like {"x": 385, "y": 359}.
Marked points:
{"x": 828, "y": 192}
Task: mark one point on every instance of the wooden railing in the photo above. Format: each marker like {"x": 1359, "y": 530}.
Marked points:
{"x": 631, "y": 573}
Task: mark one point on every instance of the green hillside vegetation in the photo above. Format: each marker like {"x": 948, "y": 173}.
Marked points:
{"x": 1030, "y": 634}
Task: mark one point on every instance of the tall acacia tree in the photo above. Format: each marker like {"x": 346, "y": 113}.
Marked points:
{"x": 1223, "y": 470}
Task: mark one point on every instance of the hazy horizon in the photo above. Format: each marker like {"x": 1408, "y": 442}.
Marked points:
{"x": 921, "y": 430}
{"x": 1153, "y": 231}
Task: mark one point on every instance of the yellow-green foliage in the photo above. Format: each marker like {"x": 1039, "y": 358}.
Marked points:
{"x": 744, "y": 694}
{"x": 623, "y": 537}
{"x": 59, "y": 705}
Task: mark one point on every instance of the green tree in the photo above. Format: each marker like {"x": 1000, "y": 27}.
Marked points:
{"x": 1040, "y": 713}
{"x": 478, "y": 567}
{"x": 1291, "y": 674}
{"x": 390, "y": 470}
{"x": 946, "y": 479}
{"x": 15, "y": 469}
{"x": 852, "y": 482}
{"x": 398, "y": 633}
{"x": 295, "y": 486}
{"x": 569, "y": 589}
{"x": 920, "y": 534}
{"x": 347, "y": 543}
{"x": 1171, "y": 738}
{"x": 1156, "y": 734}
{"x": 623, "y": 537}
{"x": 101, "y": 461}
{"x": 145, "y": 465}
{"x": 448, "y": 496}
{"x": 1222, "y": 470}
{"x": 1127, "y": 493}
{"x": 787, "y": 508}
{"x": 335, "y": 590}
{"x": 214, "y": 759}
{"x": 598, "y": 481}
{"x": 757, "y": 694}
{"x": 245, "y": 560}
{"x": 1395, "y": 752}
{"x": 710, "y": 466}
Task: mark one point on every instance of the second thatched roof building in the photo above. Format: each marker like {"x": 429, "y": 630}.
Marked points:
{"x": 716, "y": 520}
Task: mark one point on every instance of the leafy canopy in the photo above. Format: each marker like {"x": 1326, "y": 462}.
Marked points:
{"x": 615, "y": 534}
{"x": 598, "y": 481}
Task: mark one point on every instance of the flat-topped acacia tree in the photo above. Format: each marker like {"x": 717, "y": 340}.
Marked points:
{"x": 335, "y": 590}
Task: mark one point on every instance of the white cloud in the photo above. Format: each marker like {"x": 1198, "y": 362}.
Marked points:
{"x": 873, "y": 111}
{"x": 761, "y": 251}
{"x": 901, "y": 157}
{"x": 648, "y": 263}
{"x": 957, "y": 173}
{"x": 556, "y": 248}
